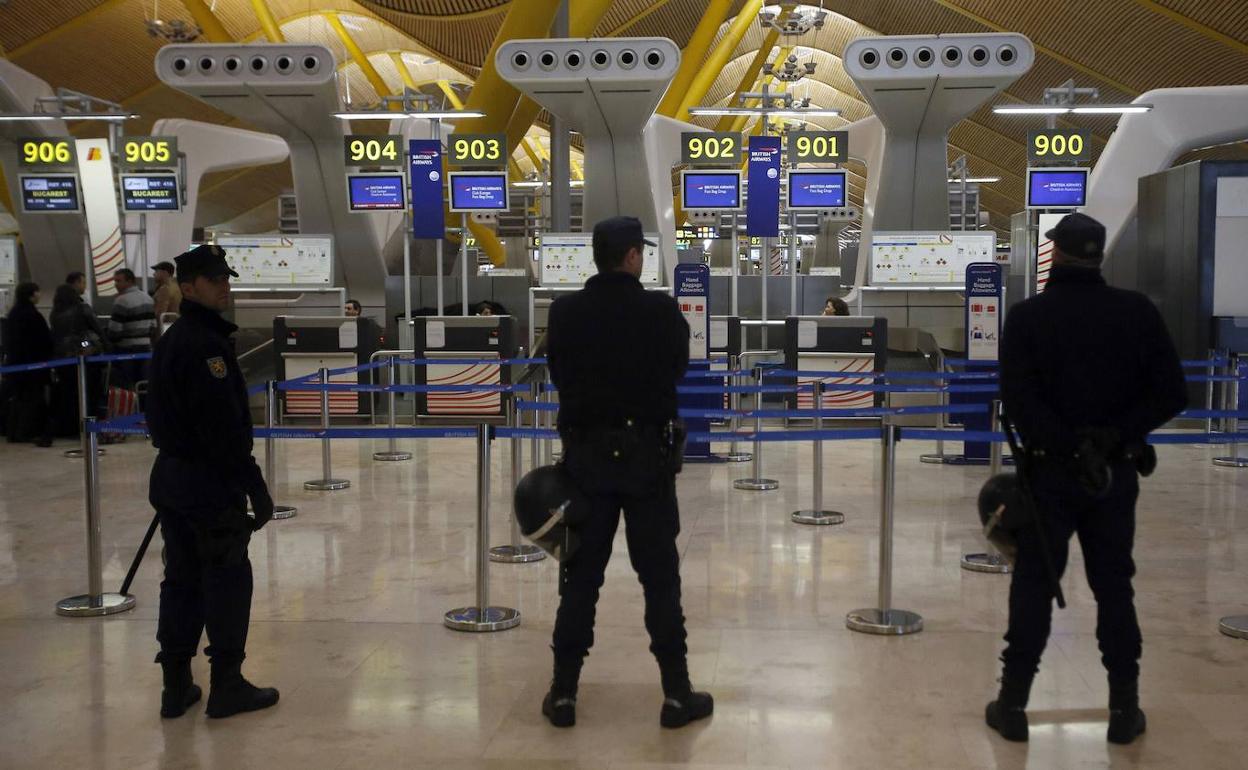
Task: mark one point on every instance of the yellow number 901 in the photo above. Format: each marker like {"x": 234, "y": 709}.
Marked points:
{"x": 45, "y": 152}
{"x": 816, "y": 147}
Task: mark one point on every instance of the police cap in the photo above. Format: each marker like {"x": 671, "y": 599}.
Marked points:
{"x": 206, "y": 259}
{"x": 619, "y": 232}
{"x": 167, "y": 266}
{"x": 1079, "y": 236}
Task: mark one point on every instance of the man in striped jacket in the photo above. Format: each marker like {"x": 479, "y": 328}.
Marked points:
{"x": 131, "y": 327}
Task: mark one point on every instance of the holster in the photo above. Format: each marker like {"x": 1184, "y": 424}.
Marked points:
{"x": 674, "y": 438}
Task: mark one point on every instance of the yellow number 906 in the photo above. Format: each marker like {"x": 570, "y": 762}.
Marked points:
{"x": 45, "y": 152}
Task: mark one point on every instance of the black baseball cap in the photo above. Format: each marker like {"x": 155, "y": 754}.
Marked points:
{"x": 167, "y": 266}
{"x": 1079, "y": 236}
{"x": 206, "y": 259}
{"x": 620, "y": 231}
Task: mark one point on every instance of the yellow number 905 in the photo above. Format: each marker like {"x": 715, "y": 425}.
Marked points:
{"x": 147, "y": 152}
{"x": 45, "y": 152}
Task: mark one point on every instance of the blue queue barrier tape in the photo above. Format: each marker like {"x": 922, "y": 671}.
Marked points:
{"x": 53, "y": 364}
{"x": 537, "y": 433}
{"x": 1213, "y": 378}
{"x": 1198, "y": 438}
{"x": 469, "y": 361}
{"x": 854, "y": 434}
{"x": 708, "y": 361}
{"x": 974, "y": 436}
{"x": 882, "y": 375}
{"x": 717, "y": 374}
{"x": 352, "y": 387}
{"x": 256, "y": 389}
{"x": 358, "y": 368}
{"x": 715, "y": 389}
{"x": 105, "y": 358}
{"x": 969, "y": 362}
{"x": 1190, "y": 364}
{"x": 525, "y": 405}
{"x": 364, "y": 433}
{"x": 973, "y": 389}
{"x": 1204, "y": 414}
{"x": 118, "y": 426}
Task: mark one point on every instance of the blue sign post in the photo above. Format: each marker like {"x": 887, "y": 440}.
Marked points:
{"x": 692, "y": 289}
{"x": 762, "y": 208}
{"x": 985, "y": 304}
{"x": 428, "y": 216}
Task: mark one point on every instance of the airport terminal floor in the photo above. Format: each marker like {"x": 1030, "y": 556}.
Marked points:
{"x": 349, "y": 598}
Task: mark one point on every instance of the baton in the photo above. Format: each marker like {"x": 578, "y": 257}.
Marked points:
{"x": 1024, "y": 485}
{"x": 138, "y": 557}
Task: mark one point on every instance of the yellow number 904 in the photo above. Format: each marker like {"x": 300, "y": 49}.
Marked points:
{"x": 45, "y": 152}
{"x": 372, "y": 149}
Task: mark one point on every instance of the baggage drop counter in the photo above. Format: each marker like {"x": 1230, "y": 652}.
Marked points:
{"x": 856, "y": 345}
{"x": 457, "y": 339}
{"x": 303, "y": 345}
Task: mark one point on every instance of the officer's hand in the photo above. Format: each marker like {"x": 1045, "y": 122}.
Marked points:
{"x": 262, "y": 506}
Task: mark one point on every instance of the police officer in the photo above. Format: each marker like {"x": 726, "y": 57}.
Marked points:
{"x": 1087, "y": 372}
{"x": 616, "y": 352}
{"x": 203, "y": 476}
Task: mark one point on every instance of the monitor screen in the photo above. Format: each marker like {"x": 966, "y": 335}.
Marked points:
{"x": 1056, "y": 188}
{"x": 478, "y": 191}
{"x": 817, "y": 189}
{"x": 375, "y": 192}
{"x": 50, "y": 194}
{"x": 714, "y": 190}
{"x": 150, "y": 192}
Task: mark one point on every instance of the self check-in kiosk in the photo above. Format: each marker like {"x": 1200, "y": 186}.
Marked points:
{"x": 856, "y": 345}
{"x": 302, "y": 345}
{"x": 459, "y": 338}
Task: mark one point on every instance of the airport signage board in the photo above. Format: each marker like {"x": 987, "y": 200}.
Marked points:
{"x": 692, "y": 289}
{"x": 47, "y": 152}
{"x": 376, "y": 192}
{"x": 710, "y": 190}
{"x": 762, "y": 209}
{"x": 818, "y": 146}
{"x": 717, "y": 148}
{"x": 373, "y": 151}
{"x": 483, "y": 150}
{"x": 817, "y": 189}
{"x": 148, "y": 152}
{"x": 984, "y": 308}
{"x": 1057, "y": 188}
{"x": 144, "y": 193}
{"x": 478, "y": 191}
{"x": 1058, "y": 145}
{"x": 425, "y": 178}
{"x": 51, "y": 194}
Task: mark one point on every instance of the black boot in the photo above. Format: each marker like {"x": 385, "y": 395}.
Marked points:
{"x": 180, "y": 691}
{"x": 232, "y": 694}
{"x": 1007, "y": 713}
{"x": 681, "y": 703}
{"x": 559, "y": 705}
{"x": 1126, "y": 720}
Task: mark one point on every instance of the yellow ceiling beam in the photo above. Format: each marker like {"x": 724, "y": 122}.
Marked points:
{"x": 491, "y": 94}
{"x": 78, "y": 22}
{"x": 397, "y": 59}
{"x": 1195, "y": 26}
{"x": 654, "y": 6}
{"x": 213, "y": 30}
{"x": 750, "y": 77}
{"x": 705, "y": 77}
{"x": 358, "y": 56}
{"x": 445, "y": 86}
{"x": 534, "y": 158}
{"x": 693, "y": 54}
{"x": 272, "y": 30}
{"x": 6, "y": 198}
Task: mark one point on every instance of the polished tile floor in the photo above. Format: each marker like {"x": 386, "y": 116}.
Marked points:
{"x": 350, "y": 595}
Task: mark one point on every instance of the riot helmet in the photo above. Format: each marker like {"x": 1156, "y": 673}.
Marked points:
{"x": 548, "y": 507}
{"x": 1004, "y": 511}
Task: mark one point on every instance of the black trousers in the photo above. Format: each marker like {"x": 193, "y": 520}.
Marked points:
{"x": 207, "y": 584}
{"x": 1106, "y": 530}
{"x": 647, "y": 497}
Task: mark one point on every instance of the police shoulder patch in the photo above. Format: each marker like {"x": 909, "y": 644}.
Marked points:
{"x": 216, "y": 365}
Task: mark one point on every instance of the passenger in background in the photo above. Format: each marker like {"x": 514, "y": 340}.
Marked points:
{"x": 168, "y": 297}
{"x": 78, "y": 280}
{"x": 835, "y": 306}
{"x": 29, "y": 341}
{"x": 352, "y": 309}
{"x": 131, "y": 327}
{"x": 75, "y": 330}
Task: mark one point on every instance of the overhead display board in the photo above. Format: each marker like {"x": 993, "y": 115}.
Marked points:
{"x": 478, "y": 191}
{"x": 375, "y": 192}
{"x": 150, "y": 192}
{"x": 710, "y": 190}
{"x": 817, "y": 189}
{"x": 50, "y": 194}
{"x": 47, "y": 152}
{"x": 482, "y": 150}
{"x": 8, "y": 260}
{"x": 1057, "y": 188}
{"x": 567, "y": 259}
{"x": 927, "y": 258}
{"x": 373, "y": 151}
{"x": 280, "y": 260}
{"x": 1058, "y": 145}
{"x": 716, "y": 148}
{"x": 148, "y": 152}
{"x": 818, "y": 146}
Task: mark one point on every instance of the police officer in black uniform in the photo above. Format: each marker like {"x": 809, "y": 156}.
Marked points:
{"x": 1087, "y": 372}
{"x": 616, "y": 352}
{"x": 200, "y": 421}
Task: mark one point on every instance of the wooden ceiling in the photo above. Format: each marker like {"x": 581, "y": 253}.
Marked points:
{"x": 1122, "y": 47}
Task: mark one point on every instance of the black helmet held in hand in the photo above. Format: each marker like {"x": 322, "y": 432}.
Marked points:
{"x": 548, "y": 507}
{"x": 1003, "y": 510}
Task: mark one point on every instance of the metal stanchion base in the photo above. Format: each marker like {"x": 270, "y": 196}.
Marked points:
{"x": 986, "y": 562}
{"x": 87, "y": 606}
{"x": 392, "y": 456}
{"x": 284, "y": 512}
{"x": 818, "y": 517}
{"x": 1231, "y": 462}
{"x": 738, "y": 457}
{"x": 704, "y": 459}
{"x": 756, "y": 485}
{"x": 76, "y": 454}
{"x": 469, "y": 619}
{"x": 961, "y": 460}
{"x": 934, "y": 459}
{"x": 326, "y": 485}
{"x": 1235, "y": 625}
{"x": 516, "y": 554}
{"x": 884, "y": 622}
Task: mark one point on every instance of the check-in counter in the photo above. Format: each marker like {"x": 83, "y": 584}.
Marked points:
{"x": 856, "y": 345}
{"x": 303, "y": 345}
{"x": 463, "y": 337}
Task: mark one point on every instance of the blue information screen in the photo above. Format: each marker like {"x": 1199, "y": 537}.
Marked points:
{"x": 1057, "y": 189}
{"x": 50, "y": 193}
{"x": 816, "y": 189}
{"x": 150, "y": 192}
{"x": 705, "y": 190}
{"x": 375, "y": 192}
{"x": 478, "y": 192}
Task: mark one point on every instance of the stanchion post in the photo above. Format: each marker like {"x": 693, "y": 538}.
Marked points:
{"x": 482, "y": 617}
{"x": 756, "y": 482}
{"x": 270, "y": 449}
{"x": 816, "y": 514}
{"x": 1233, "y": 460}
{"x": 547, "y": 423}
{"x": 84, "y": 409}
{"x": 734, "y": 403}
{"x": 883, "y": 619}
{"x": 392, "y": 453}
{"x": 327, "y": 482}
{"x": 515, "y": 552}
{"x": 535, "y": 395}
{"x": 990, "y": 561}
{"x": 95, "y": 602}
{"x": 1210, "y": 370}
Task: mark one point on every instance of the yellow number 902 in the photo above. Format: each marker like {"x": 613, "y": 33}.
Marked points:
{"x": 712, "y": 147}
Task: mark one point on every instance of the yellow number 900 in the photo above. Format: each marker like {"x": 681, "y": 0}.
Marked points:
{"x": 45, "y": 152}
{"x": 1059, "y": 144}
